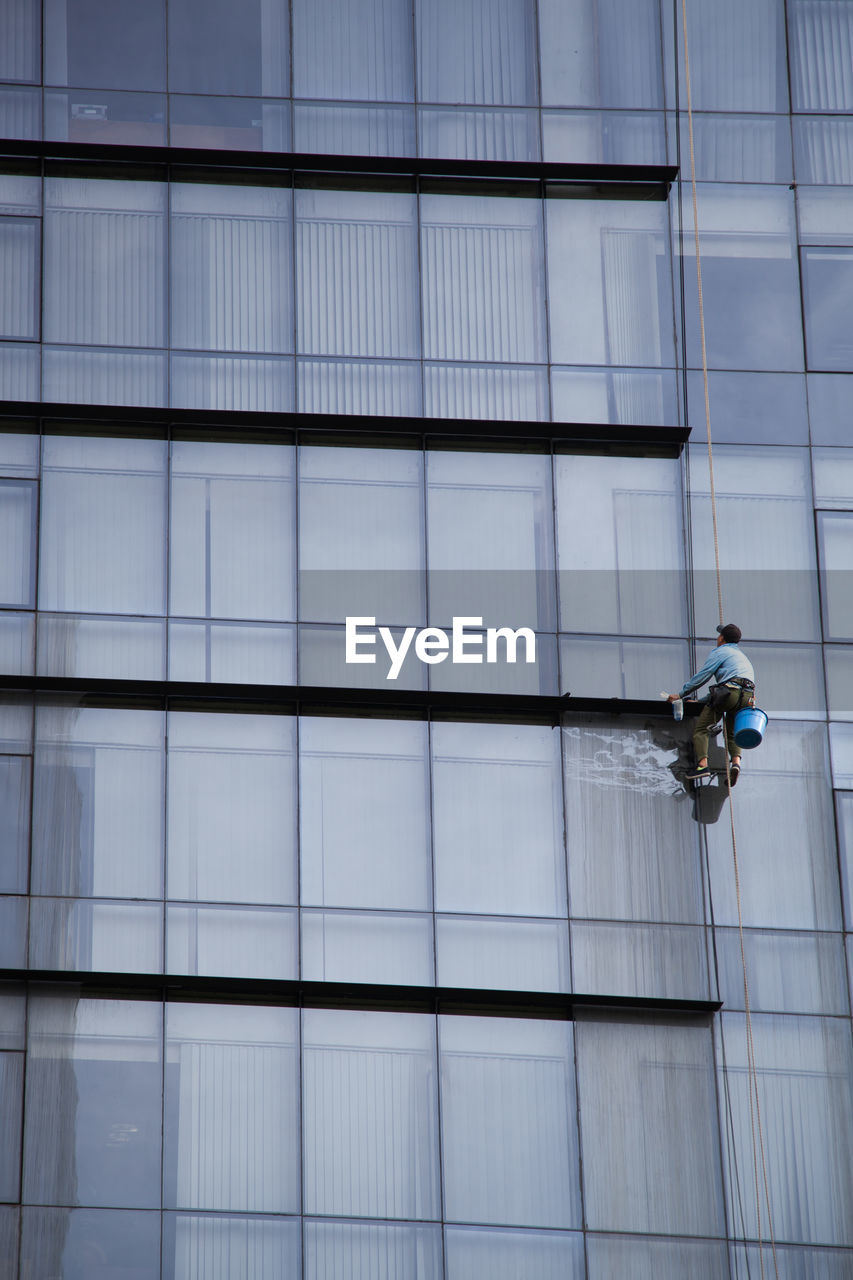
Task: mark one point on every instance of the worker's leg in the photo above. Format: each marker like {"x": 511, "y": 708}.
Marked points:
{"x": 732, "y": 707}
{"x": 707, "y": 717}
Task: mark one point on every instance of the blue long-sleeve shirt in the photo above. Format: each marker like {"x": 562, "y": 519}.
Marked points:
{"x": 725, "y": 662}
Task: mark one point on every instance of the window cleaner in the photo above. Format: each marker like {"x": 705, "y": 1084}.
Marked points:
{"x": 733, "y": 690}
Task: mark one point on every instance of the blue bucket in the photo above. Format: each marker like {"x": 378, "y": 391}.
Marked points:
{"x": 750, "y": 724}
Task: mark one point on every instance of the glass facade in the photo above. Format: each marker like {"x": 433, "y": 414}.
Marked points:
{"x": 421, "y": 968}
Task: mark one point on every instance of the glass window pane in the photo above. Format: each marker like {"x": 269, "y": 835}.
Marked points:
{"x": 604, "y": 137}
{"x": 784, "y": 822}
{"x": 737, "y": 55}
{"x": 232, "y": 654}
{"x": 498, "y": 819}
{"x": 487, "y": 134}
{"x": 17, "y": 537}
{"x": 360, "y": 387}
{"x": 231, "y": 1136}
{"x": 103, "y": 1242}
{"x": 841, "y": 745}
{"x": 649, "y": 1136}
{"x": 732, "y": 148}
{"x": 793, "y": 1262}
{"x": 482, "y": 277}
{"x": 232, "y": 943}
{"x": 353, "y": 129}
{"x": 619, "y": 544}
{"x": 19, "y": 238}
{"x": 17, "y": 634}
{"x": 609, "y": 282}
{"x": 476, "y": 51}
{"x": 19, "y": 454}
{"x": 600, "y": 53}
{"x": 110, "y": 937}
{"x": 749, "y": 279}
{"x": 788, "y": 972}
{"x": 232, "y": 536}
{"x": 252, "y": 384}
{"x": 503, "y": 1254}
{"x": 833, "y": 477}
{"x": 231, "y": 268}
{"x": 104, "y": 262}
{"x": 94, "y": 1102}
{"x": 20, "y": 112}
{"x": 86, "y": 375}
{"x": 361, "y": 536}
{"x": 216, "y": 46}
{"x": 839, "y": 681}
{"x": 823, "y": 149}
{"x": 353, "y": 49}
{"x": 830, "y": 408}
{"x": 98, "y": 802}
{"x": 113, "y": 43}
{"x": 790, "y": 679}
{"x": 502, "y": 953}
{"x": 381, "y": 1250}
{"x": 11, "y": 1101}
{"x": 13, "y": 1002}
{"x": 225, "y": 1247}
{"x": 649, "y": 1259}
{"x": 599, "y": 667}
{"x": 632, "y": 848}
{"x": 766, "y": 540}
{"x": 13, "y": 935}
{"x": 517, "y": 393}
{"x": 805, "y": 1069}
{"x": 19, "y": 40}
{"x": 232, "y": 784}
{"x": 370, "y": 1128}
{"x": 356, "y": 264}
{"x": 106, "y": 116}
{"x": 750, "y": 408}
{"x": 364, "y": 813}
{"x": 103, "y": 525}
{"x": 632, "y": 397}
{"x": 821, "y": 37}
{"x": 652, "y": 961}
{"x": 503, "y": 1163}
{"x": 490, "y": 547}
{"x": 827, "y": 280}
{"x": 229, "y": 124}
{"x": 101, "y": 648}
{"x": 16, "y": 724}
{"x": 844, "y": 802}
{"x": 351, "y": 946}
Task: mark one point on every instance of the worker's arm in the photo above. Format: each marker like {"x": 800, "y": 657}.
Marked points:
{"x": 703, "y": 675}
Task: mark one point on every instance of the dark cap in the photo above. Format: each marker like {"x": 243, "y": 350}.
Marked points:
{"x": 731, "y": 633}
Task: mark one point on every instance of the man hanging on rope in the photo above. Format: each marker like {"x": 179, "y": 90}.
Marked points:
{"x": 734, "y": 688}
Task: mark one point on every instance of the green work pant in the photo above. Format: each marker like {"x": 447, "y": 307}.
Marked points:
{"x": 710, "y": 716}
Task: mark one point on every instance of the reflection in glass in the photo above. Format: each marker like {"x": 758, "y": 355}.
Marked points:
{"x": 821, "y": 75}
{"x": 17, "y": 538}
{"x": 19, "y": 40}
{"x": 103, "y": 525}
{"x": 350, "y": 946}
{"x": 502, "y": 953}
{"x": 107, "y": 117}
{"x": 231, "y": 830}
{"x": 633, "y": 397}
{"x": 830, "y": 408}
{"x": 94, "y": 1102}
{"x": 498, "y": 819}
{"x": 226, "y": 1247}
{"x": 115, "y": 43}
{"x": 108, "y": 937}
{"x": 487, "y": 134}
{"x": 476, "y": 51}
{"x": 619, "y": 545}
{"x": 841, "y": 746}
{"x": 252, "y": 384}
{"x": 839, "y": 681}
{"x": 20, "y": 112}
{"x": 104, "y": 262}
{"x": 356, "y": 270}
{"x": 229, "y": 653}
{"x": 610, "y": 298}
{"x": 631, "y": 844}
{"x": 651, "y": 961}
{"x": 216, "y": 46}
{"x": 650, "y": 1156}
{"x": 604, "y": 137}
{"x": 504, "y": 392}
{"x": 490, "y": 547}
{"x": 98, "y": 1244}
{"x": 790, "y": 678}
{"x": 370, "y": 1127}
{"x": 231, "y": 544}
{"x": 833, "y": 477}
{"x": 104, "y": 648}
{"x": 354, "y": 129}
{"x": 749, "y": 279}
{"x": 20, "y": 371}
{"x": 98, "y": 802}
{"x": 381, "y": 1250}
{"x": 750, "y": 408}
{"x": 737, "y": 148}
{"x": 231, "y": 942}
{"x": 359, "y": 386}
{"x": 805, "y": 1069}
{"x": 600, "y": 667}
{"x": 86, "y": 375}
{"x": 766, "y": 538}
{"x": 827, "y": 278}
{"x": 652, "y": 1259}
{"x": 482, "y": 263}
{"x": 788, "y": 972}
{"x": 844, "y": 802}
{"x": 361, "y": 537}
{"x": 13, "y": 936}
{"x": 509, "y": 1163}
{"x": 503, "y": 1254}
{"x": 364, "y": 813}
{"x": 229, "y": 124}
{"x": 603, "y": 53}
{"x": 231, "y": 1134}
{"x": 11, "y": 1100}
{"x": 823, "y": 149}
{"x": 19, "y": 239}
{"x": 9, "y": 1235}
{"x": 785, "y": 822}
{"x": 737, "y": 56}
{"x": 231, "y": 268}
{"x": 352, "y": 49}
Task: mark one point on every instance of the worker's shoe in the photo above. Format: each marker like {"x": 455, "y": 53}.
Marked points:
{"x": 734, "y": 773}
{"x": 698, "y": 771}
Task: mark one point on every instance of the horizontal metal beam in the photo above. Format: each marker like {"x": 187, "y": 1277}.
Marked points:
{"x": 652, "y": 181}
{"x": 319, "y": 427}
{"x": 355, "y": 995}
{"x": 321, "y": 699}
